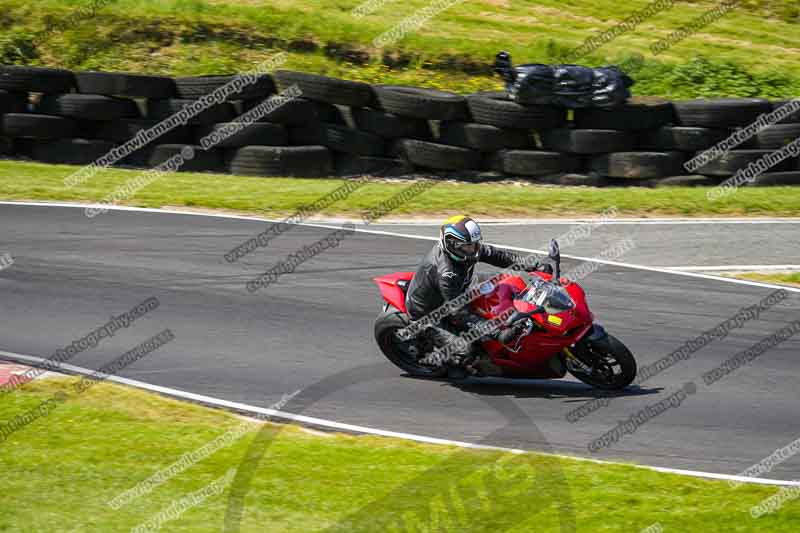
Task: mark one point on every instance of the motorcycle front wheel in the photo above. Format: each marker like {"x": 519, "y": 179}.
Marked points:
{"x": 613, "y": 366}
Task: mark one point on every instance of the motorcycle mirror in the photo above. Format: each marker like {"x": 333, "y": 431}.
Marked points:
{"x": 555, "y": 252}
{"x": 555, "y": 255}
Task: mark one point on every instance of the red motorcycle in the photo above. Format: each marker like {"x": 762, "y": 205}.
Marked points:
{"x": 550, "y": 331}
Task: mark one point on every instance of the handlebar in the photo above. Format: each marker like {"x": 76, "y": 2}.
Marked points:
{"x": 517, "y": 316}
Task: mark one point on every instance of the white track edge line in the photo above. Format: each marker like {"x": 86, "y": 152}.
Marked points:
{"x": 724, "y": 268}
{"x": 436, "y": 222}
{"x": 633, "y": 266}
{"x": 320, "y": 422}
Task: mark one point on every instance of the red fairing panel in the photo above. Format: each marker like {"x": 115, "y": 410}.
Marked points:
{"x": 547, "y": 340}
{"x": 391, "y": 293}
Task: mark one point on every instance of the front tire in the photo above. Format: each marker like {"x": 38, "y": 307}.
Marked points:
{"x": 614, "y": 365}
{"x": 403, "y": 354}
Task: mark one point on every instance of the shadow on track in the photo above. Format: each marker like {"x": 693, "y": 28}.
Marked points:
{"x": 550, "y": 389}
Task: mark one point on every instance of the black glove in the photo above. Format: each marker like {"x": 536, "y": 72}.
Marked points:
{"x": 508, "y": 335}
{"x": 544, "y": 267}
{"x": 464, "y": 320}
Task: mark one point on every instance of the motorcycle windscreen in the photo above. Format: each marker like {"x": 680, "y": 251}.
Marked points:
{"x": 542, "y": 294}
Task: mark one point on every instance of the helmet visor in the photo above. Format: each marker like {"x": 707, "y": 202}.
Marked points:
{"x": 465, "y": 249}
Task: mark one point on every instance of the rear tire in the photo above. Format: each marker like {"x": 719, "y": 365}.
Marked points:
{"x": 608, "y": 348}
{"x": 386, "y": 325}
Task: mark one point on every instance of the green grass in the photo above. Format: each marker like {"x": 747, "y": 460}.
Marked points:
{"x": 785, "y": 278}
{"x": 754, "y": 48}
{"x": 60, "y": 471}
{"x": 281, "y": 196}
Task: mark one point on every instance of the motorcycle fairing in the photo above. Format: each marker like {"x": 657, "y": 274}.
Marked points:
{"x": 393, "y": 288}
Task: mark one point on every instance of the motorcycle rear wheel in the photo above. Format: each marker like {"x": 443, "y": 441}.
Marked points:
{"x": 605, "y": 357}
{"x": 402, "y": 353}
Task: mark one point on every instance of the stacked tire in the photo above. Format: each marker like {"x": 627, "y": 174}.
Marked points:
{"x": 610, "y": 139}
{"x": 324, "y": 137}
{"x": 520, "y": 129}
{"x": 20, "y": 130}
{"x": 721, "y": 124}
{"x": 360, "y": 133}
{"x": 298, "y": 124}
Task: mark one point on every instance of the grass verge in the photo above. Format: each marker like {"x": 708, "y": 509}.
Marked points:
{"x": 60, "y": 471}
{"x": 785, "y": 278}
{"x": 282, "y": 196}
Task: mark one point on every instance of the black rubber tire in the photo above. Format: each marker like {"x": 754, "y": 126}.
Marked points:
{"x": 437, "y": 156}
{"x": 681, "y": 138}
{"x": 194, "y": 87}
{"x": 357, "y": 165}
{"x": 421, "y": 103}
{"x": 483, "y": 137}
{"x": 124, "y": 84}
{"x": 88, "y": 106}
{"x": 301, "y": 161}
{"x": 627, "y": 362}
{"x": 731, "y": 162}
{"x": 573, "y": 180}
{"x": 291, "y": 111}
{"x": 771, "y": 179}
{"x": 256, "y": 134}
{"x": 390, "y": 126}
{"x": 69, "y": 151}
{"x": 325, "y": 89}
{"x": 793, "y": 118}
{"x": 720, "y": 112}
{"x": 495, "y": 108}
{"x": 749, "y": 144}
{"x": 163, "y": 109}
{"x": 386, "y": 325}
{"x": 627, "y": 182}
{"x": 36, "y": 79}
{"x": 13, "y": 102}
{"x": 638, "y": 113}
{"x": 329, "y": 113}
{"x": 203, "y": 160}
{"x": 777, "y": 136}
{"x": 126, "y": 129}
{"x": 689, "y": 180}
{"x": 28, "y": 125}
{"x": 338, "y": 138}
{"x": 587, "y": 141}
{"x": 7, "y": 147}
{"x": 535, "y": 162}
{"x": 638, "y": 165}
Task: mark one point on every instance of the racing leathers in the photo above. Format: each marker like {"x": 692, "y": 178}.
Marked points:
{"x": 439, "y": 278}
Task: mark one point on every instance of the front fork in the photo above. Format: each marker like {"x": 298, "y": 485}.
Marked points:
{"x": 575, "y": 363}
{"x": 596, "y": 334}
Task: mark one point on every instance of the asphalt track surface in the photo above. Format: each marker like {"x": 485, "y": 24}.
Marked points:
{"x": 71, "y": 273}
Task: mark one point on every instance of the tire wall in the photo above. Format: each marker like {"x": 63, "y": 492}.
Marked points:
{"x": 338, "y": 127}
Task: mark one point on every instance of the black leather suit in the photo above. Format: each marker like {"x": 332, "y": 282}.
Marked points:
{"x": 439, "y": 278}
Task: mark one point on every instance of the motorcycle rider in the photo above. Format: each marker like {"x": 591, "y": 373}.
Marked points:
{"x": 446, "y": 272}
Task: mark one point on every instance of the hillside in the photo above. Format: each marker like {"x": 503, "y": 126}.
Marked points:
{"x": 752, "y": 50}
